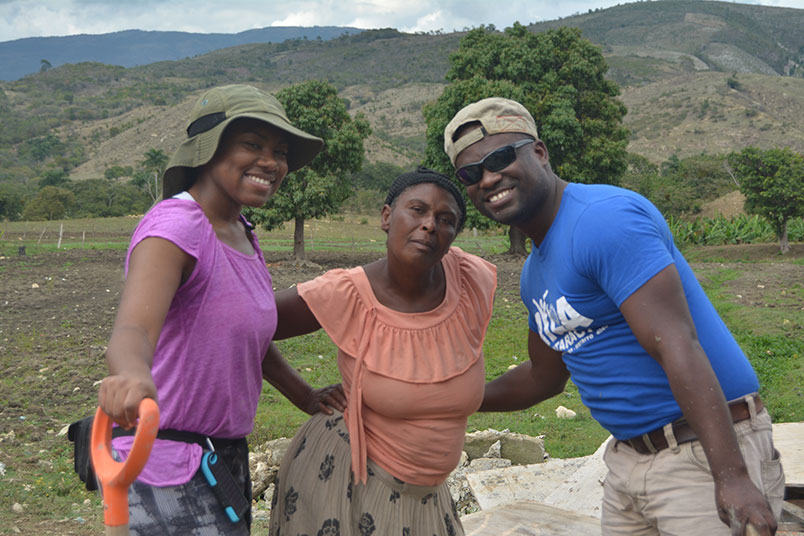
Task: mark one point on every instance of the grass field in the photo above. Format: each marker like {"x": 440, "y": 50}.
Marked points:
{"x": 349, "y": 232}
{"x": 52, "y": 340}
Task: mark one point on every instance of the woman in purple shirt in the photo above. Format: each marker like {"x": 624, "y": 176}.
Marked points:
{"x": 197, "y": 316}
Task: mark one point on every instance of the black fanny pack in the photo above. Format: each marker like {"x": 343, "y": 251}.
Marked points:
{"x": 80, "y": 433}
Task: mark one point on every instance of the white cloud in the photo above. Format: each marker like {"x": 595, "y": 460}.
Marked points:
{"x": 30, "y": 18}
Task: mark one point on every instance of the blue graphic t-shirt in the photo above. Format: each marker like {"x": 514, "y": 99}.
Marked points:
{"x": 605, "y": 243}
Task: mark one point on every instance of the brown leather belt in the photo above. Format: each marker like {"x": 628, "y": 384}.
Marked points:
{"x": 655, "y": 441}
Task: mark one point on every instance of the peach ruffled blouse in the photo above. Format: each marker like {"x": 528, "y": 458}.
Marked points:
{"x": 411, "y": 379}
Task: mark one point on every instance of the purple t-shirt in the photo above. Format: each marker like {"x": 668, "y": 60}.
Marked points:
{"x": 207, "y": 363}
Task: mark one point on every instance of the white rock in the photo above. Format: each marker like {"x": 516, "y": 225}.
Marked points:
{"x": 464, "y": 459}
{"x": 276, "y": 449}
{"x": 564, "y": 413}
{"x": 522, "y": 449}
{"x": 494, "y": 450}
{"x": 18, "y": 508}
{"x": 484, "y": 464}
{"x": 478, "y": 443}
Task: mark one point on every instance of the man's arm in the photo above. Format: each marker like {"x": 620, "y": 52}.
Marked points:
{"x": 543, "y": 377}
{"x": 660, "y": 319}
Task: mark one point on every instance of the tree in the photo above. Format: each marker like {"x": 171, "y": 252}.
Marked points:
{"x": 773, "y": 184}
{"x": 682, "y": 185}
{"x": 39, "y": 149}
{"x": 560, "y": 78}
{"x": 116, "y": 172}
{"x": 51, "y": 203}
{"x": 154, "y": 167}
{"x": 320, "y": 188}
{"x": 97, "y": 198}
{"x": 376, "y": 176}
{"x": 54, "y": 177}
{"x": 11, "y": 201}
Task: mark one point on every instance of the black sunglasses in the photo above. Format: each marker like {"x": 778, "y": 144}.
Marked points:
{"x": 494, "y": 161}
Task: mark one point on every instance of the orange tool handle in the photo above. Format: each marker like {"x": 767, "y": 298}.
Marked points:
{"x": 114, "y": 476}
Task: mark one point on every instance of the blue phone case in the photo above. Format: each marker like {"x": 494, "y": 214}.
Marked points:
{"x": 223, "y": 485}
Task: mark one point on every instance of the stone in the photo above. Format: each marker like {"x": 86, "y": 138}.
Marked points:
{"x": 582, "y": 492}
{"x": 494, "y": 450}
{"x": 564, "y": 413}
{"x": 262, "y": 476}
{"x": 503, "y": 485}
{"x": 277, "y": 449}
{"x": 526, "y": 518}
{"x": 484, "y": 464}
{"x": 522, "y": 449}
{"x": 476, "y": 444}
{"x": 264, "y": 464}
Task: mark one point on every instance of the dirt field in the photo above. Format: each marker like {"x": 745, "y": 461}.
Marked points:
{"x": 56, "y": 312}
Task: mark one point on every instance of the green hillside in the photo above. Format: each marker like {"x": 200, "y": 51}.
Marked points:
{"x": 695, "y": 76}
{"x": 724, "y": 36}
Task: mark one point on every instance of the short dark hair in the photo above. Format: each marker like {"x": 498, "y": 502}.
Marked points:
{"x": 423, "y": 175}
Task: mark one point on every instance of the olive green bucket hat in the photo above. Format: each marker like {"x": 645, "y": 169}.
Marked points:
{"x": 213, "y": 112}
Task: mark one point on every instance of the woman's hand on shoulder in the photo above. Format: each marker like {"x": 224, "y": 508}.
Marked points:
{"x": 120, "y": 396}
{"x": 325, "y": 399}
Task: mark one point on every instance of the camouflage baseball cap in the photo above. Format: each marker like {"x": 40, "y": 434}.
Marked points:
{"x": 495, "y": 115}
{"x": 213, "y": 112}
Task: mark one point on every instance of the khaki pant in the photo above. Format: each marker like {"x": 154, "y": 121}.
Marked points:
{"x": 672, "y": 492}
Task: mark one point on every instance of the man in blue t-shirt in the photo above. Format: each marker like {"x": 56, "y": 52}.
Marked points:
{"x": 613, "y": 304}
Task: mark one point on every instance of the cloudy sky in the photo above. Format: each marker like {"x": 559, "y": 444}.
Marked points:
{"x": 38, "y": 18}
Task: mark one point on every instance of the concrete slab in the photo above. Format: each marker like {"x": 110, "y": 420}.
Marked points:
{"x": 534, "y": 482}
{"x": 575, "y": 485}
{"x": 527, "y": 518}
{"x": 788, "y": 438}
{"x": 583, "y": 491}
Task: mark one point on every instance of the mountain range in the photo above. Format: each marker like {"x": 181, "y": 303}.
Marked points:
{"x": 136, "y": 47}
{"x": 696, "y": 76}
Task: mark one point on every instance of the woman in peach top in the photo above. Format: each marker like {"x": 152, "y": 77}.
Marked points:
{"x": 409, "y": 330}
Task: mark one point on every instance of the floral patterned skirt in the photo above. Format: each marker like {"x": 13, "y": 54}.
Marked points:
{"x": 315, "y": 493}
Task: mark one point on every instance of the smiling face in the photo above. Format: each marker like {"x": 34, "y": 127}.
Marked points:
{"x": 249, "y": 165}
{"x": 517, "y": 194}
{"x": 421, "y": 224}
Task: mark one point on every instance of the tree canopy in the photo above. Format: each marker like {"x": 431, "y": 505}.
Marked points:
{"x": 319, "y": 188}
{"x": 51, "y": 203}
{"x": 773, "y": 184}
{"x": 560, "y": 78}
{"x": 682, "y": 185}
{"x": 12, "y": 201}
{"x": 101, "y": 198}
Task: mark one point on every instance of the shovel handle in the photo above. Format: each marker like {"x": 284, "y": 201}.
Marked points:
{"x": 115, "y": 477}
